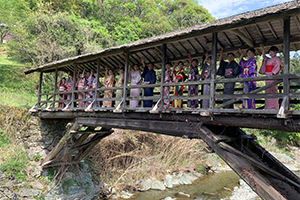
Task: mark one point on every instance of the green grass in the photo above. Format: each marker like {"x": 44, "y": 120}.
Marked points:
{"x": 16, "y": 89}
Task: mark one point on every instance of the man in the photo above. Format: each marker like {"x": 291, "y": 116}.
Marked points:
{"x": 149, "y": 78}
{"x": 228, "y": 69}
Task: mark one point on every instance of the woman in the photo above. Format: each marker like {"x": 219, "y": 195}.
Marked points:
{"x": 69, "y": 84}
{"x": 205, "y": 75}
{"x": 135, "y": 79}
{"x": 62, "y": 88}
{"x": 80, "y": 84}
{"x": 93, "y": 86}
{"x": 89, "y": 85}
{"x": 168, "y": 79}
{"x": 193, "y": 76}
{"x": 248, "y": 69}
{"x": 269, "y": 67}
{"x": 108, "y": 82}
{"x": 178, "y": 76}
{"x": 120, "y": 83}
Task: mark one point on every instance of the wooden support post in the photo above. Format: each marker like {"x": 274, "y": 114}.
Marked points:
{"x": 163, "y": 69}
{"x": 40, "y": 90}
{"x": 97, "y": 83}
{"x": 55, "y": 87}
{"x": 246, "y": 92}
{"x": 62, "y": 143}
{"x": 125, "y": 79}
{"x": 213, "y": 70}
{"x": 74, "y": 86}
{"x": 286, "y": 62}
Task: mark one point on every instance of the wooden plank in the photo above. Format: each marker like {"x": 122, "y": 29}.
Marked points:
{"x": 228, "y": 40}
{"x": 125, "y": 79}
{"x": 196, "y": 51}
{"x": 248, "y": 34}
{"x": 62, "y": 143}
{"x": 286, "y": 60}
{"x": 187, "y": 51}
{"x": 200, "y": 45}
{"x": 243, "y": 36}
{"x": 213, "y": 71}
{"x": 176, "y": 50}
{"x": 40, "y": 90}
{"x": 163, "y": 71}
{"x": 55, "y": 87}
{"x": 260, "y": 33}
{"x": 272, "y": 30}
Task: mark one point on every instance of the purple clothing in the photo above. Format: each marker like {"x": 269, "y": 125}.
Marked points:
{"x": 249, "y": 69}
{"x": 271, "y": 104}
{"x": 168, "y": 79}
{"x": 193, "y": 89}
{"x": 135, "y": 79}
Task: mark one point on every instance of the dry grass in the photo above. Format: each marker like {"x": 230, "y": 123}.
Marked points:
{"x": 130, "y": 156}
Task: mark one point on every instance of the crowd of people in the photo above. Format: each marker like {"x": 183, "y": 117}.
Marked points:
{"x": 227, "y": 69}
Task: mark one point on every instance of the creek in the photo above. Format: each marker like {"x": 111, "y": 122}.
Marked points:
{"x": 211, "y": 186}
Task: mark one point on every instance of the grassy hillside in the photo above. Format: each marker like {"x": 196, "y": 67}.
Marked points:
{"x": 16, "y": 89}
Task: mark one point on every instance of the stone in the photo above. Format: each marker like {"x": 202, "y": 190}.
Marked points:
{"x": 169, "y": 181}
{"x": 242, "y": 182}
{"x": 125, "y": 195}
{"x": 37, "y": 185}
{"x": 182, "y": 195}
{"x": 28, "y": 192}
{"x": 37, "y": 172}
{"x": 158, "y": 185}
{"x": 146, "y": 185}
{"x": 168, "y": 198}
{"x": 8, "y": 193}
{"x": 50, "y": 196}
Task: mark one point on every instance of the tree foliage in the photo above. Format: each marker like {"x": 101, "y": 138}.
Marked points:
{"x": 56, "y": 29}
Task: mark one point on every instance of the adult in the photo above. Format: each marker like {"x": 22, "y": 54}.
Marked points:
{"x": 193, "y": 76}
{"x": 168, "y": 79}
{"x": 120, "y": 83}
{"x": 269, "y": 67}
{"x": 89, "y": 85}
{"x": 228, "y": 69}
{"x": 109, "y": 81}
{"x": 80, "y": 84}
{"x": 205, "y": 75}
{"x": 62, "y": 88}
{"x": 135, "y": 79}
{"x": 149, "y": 76}
{"x": 94, "y": 85}
{"x": 248, "y": 69}
{"x": 69, "y": 85}
{"x": 178, "y": 76}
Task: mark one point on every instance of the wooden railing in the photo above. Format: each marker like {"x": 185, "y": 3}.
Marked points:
{"x": 48, "y": 103}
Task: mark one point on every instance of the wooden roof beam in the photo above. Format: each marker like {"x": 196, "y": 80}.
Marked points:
{"x": 200, "y": 45}
{"x": 196, "y": 51}
{"x": 145, "y": 56}
{"x": 227, "y": 39}
{"x": 173, "y": 55}
{"x": 187, "y": 51}
{"x": 176, "y": 49}
{"x": 243, "y": 37}
{"x": 272, "y": 30}
{"x": 151, "y": 55}
{"x": 297, "y": 21}
{"x": 248, "y": 34}
{"x": 260, "y": 33}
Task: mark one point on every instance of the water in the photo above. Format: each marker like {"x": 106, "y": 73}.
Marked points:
{"x": 209, "y": 187}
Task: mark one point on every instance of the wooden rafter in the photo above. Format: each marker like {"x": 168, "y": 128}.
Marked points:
{"x": 297, "y": 21}
{"x": 272, "y": 30}
{"x": 119, "y": 62}
{"x": 243, "y": 37}
{"x": 196, "y": 51}
{"x": 260, "y": 33}
{"x": 248, "y": 34}
{"x": 206, "y": 40}
{"x": 168, "y": 50}
{"x": 187, "y": 51}
{"x": 145, "y": 56}
{"x": 176, "y": 49}
{"x": 200, "y": 45}
{"x": 151, "y": 55}
{"x": 228, "y": 40}
{"x": 136, "y": 61}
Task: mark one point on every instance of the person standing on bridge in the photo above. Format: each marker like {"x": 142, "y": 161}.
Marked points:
{"x": 81, "y": 84}
{"x": 149, "y": 76}
{"x": 120, "y": 83}
{"x": 248, "y": 69}
{"x": 109, "y": 81}
{"x": 178, "y": 76}
{"x": 205, "y": 75}
{"x": 193, "y": 76}
{"x": 228, "y": 69}
{"x": 135, "y": 79}
{"x": 168, "y": 79}
{"x": 269, "y": 67}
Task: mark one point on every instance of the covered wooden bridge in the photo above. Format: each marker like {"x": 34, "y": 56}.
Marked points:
{"x": 219, "y": 127}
